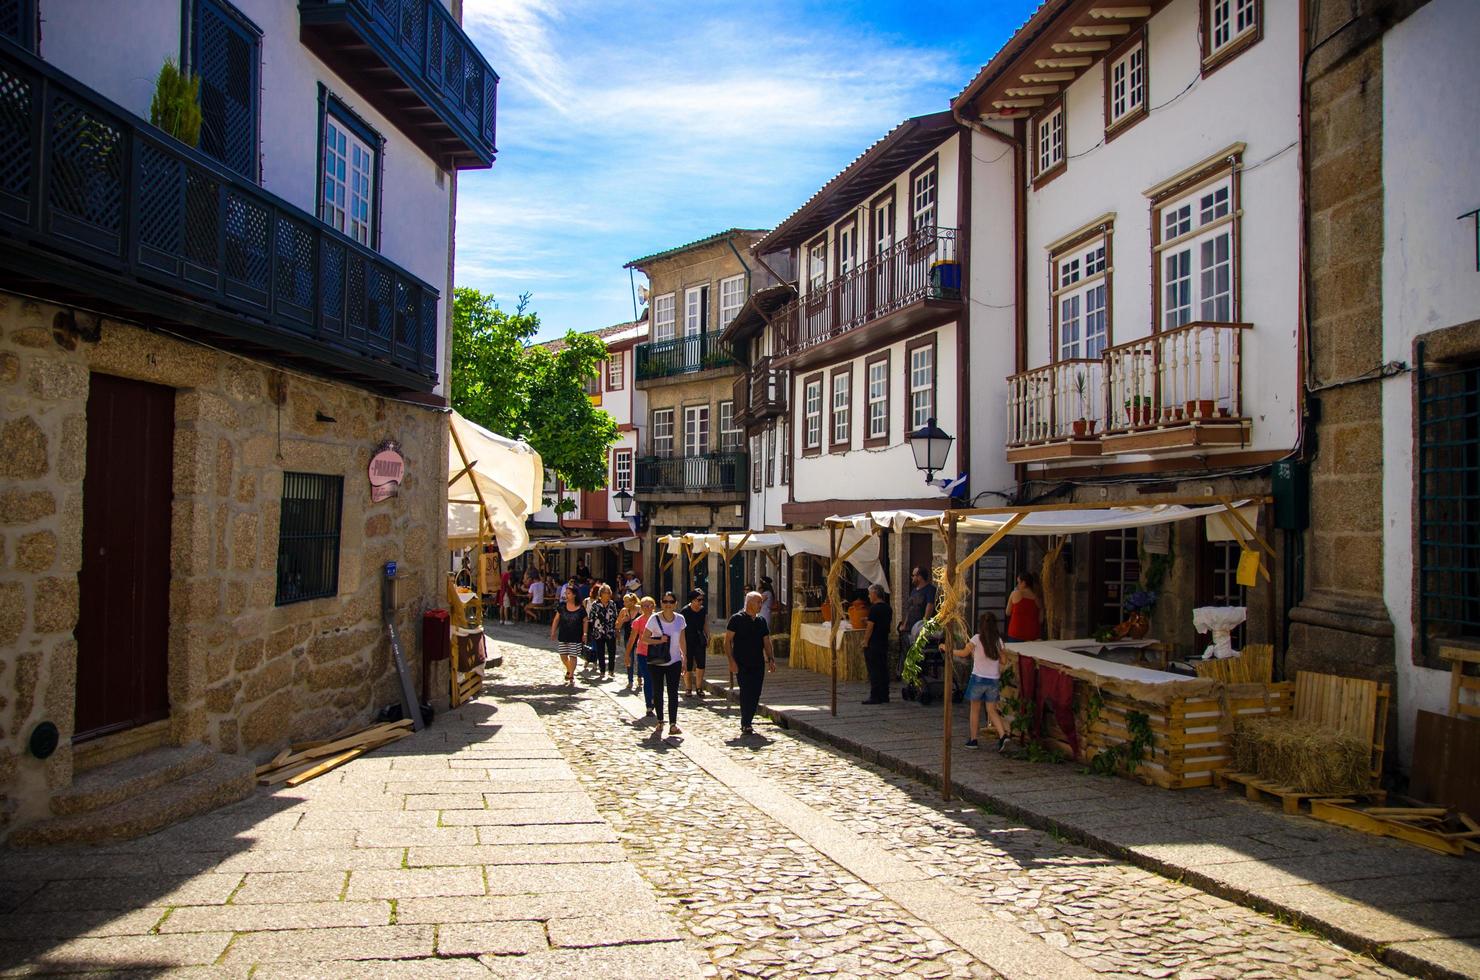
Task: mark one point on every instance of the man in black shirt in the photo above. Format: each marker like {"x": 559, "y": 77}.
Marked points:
{"x": 748, "y": 645}
{"x": 696, "y": 628}
{"x": 876, "y": 646}
{"x": 920, "y": 606}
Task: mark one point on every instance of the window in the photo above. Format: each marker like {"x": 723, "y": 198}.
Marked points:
{"x": 846, "y": 239}
{"x": 784, "y": 445}
{"x": 1117, "y": 573}
{"x": 731, "y": 298}
{"x": 1229, "y": 26}
{"x": 882, "y": 219}
{"x": 695, "y": 310}
{"x": 817, "y": 265}
{"x": 622, "y": 470}
{"x": 308, "y": 537}
{"x": 755, "y": 463}
{"x": 812, "y": 412}
{"x": 696, "y": 430}
{"x": 842, "y": 401}
{"x": 1048, "y": 141}
{"x": 616, "y": 368}
{"x": 920, "y": 382}
{"x": 663, "y": 317}
{"x": 877, "y": 374}
{"x": 1196, "y": 248}
{"x": 663, "y": 432}
{"x": 771, "y": 456}
{"x": 1448, "y": 505}
{"x": 226, "y": 52}
{"x": 922, "y": 198}
{"x": 1081, "y": 290}
{"x": 349, "y": 185}
{"x": 18, "y": 23}
{"x": 1125, "y": 81}
{"x": 592, "y": 385}
{"x": 731, "y": 436}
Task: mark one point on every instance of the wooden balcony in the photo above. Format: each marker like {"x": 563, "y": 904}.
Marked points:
{"x": 1178, "y": 392}
{"x": 413, "y": 62}
{"x": 760, "y": 394}
{"x": 101, "y": 210}
{"x": 913, "y": 285}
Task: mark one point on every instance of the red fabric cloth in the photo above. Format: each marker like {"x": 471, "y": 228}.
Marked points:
{"x": 1023, "y": 624}
{"x": 1056, "y": 691}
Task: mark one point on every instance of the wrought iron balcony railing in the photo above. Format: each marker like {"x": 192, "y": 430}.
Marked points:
{"x": 445, "y": 93}
{"x": 683, "y": 355}
{"x": 722, "y": 472}
{"x": 96, "y": 202}
{"x": 920, "y": 267}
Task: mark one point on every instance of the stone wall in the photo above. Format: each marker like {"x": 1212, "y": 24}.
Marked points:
{"x": 245, "y": 676}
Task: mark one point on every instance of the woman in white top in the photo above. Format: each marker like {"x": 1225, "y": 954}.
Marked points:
{"x": 768, "y": 600}
{"x": 666, "y": 660}
{"x": 985, "y": 687}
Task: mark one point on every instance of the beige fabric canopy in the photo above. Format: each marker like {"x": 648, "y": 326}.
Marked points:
{"x": 1036, "y": 522}
{"x": 508, "y": 473}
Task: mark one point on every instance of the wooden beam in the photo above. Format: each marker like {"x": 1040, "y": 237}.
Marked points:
{"x": 1100, "y": 30}
{"x": 462, "y": 472}
{"x": 986, "y": 545}
{"x": 832, "y": 633}
{"x": 1072, "y": 47}
{"x": 952, "y": 573}
{"x": 1184, "y": 500}
{"x": 1034, "y": 90}
{"x": 1048, "y": 76}
{"x": 1258, "y": 539}
{"x": 1121, "y": 13}
{"x": 1064, "y": 62}
{"x": 1017, "y": 103}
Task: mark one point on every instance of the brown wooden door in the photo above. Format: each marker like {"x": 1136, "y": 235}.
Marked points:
{"x": 593, "y": 505}
{"x": 123, "y": 626}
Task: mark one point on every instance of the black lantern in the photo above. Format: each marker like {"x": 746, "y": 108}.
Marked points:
{"x": 624, "y": 502}
{"x": 931, "y": 446}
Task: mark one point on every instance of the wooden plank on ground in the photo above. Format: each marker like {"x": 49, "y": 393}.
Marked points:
{"x": 333, "y": 762}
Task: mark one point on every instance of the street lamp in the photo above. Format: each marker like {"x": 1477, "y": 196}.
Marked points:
{"x": 624, "y": 502}
{"x": 930, "y": 445}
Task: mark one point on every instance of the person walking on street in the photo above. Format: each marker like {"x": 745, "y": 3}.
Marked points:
{"x": 666, "y": 655}
{"x": 1024, "y": 614}
{"x": 876, "y": 646}
{"x": 624, "y": 628}
{"x": 697, "y": 643}
{"x": 920, "y": 606}
{"x": 569, "y": 631}
{"x": 603, "y": 612}
{"x": 768, "y": 600}
{"x": 985, "y": 686}
{"x": 637, "y": 651}
{"x": 748, "y": 646}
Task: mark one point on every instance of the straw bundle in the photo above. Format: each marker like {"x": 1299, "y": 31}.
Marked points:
{"x": 1302, "y": 755}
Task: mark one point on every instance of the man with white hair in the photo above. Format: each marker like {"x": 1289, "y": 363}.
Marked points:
{"x": 748, "y": 646}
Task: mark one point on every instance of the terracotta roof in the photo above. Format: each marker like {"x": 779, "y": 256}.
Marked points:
{"x": 710, "y": 240}
{"x": 869, "y": 171}
{"x": 753, "y": 315}
{"x": 616, "y": 333}
{"x": 1020, "y": 41}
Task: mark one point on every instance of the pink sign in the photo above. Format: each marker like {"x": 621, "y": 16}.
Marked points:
{"x": 387, "y": 469}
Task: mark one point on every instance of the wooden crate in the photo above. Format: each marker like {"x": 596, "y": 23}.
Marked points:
{"x": 1288, "y": 799}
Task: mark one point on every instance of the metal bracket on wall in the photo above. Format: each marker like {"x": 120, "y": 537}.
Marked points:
{"x": 1476, "y": 215}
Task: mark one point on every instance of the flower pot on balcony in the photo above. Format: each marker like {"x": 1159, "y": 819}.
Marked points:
{"x": 1201, "y": 409}
{"x": 1081, "y": 428}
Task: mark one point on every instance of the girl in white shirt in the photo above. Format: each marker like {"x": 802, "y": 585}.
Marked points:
{"x": 985, "y": 686}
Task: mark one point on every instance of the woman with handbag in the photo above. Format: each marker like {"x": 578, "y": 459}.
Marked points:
{"x": 637, "y": 650}
{"x": 603, "y": 619}
{"x": 568, "y": 629}
{"x": 666, "y": 656}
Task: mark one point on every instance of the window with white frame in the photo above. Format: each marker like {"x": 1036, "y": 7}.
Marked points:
{"x": 878, "y": 398}
{"x": 784, "y": 445}
{"x": 695, "y": 310}
{"x": 347, "y": 203}
{"x": 1128, "y": 84}
{"x": 616, "y": 371}
{"x": 847, "y": 246}
{"x": 731, "y": 436}
{"x": 842, "y": 402}
{"x": 771, "y": 456}
{"x": 922, "y": 385}
{"x": 622, "y": 470}
{"x": 1081, "y": 287}
{"x": 1229, "y": 21}
{"x": 817, "y": 265}
{"x": 1197, "y": 259}
{"x": 1049, "y": 140}
{"x": 731, "y": 298}
{"x": 812, "y": 412}
{"x": 663, "y": 316}
{"x": 662, "y": 432}
{"x": 695, "y": 430}
{"x": 755, "y": 463}
{"x": 922, "y": 199}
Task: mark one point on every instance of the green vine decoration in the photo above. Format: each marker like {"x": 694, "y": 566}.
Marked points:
{"x": 1094, "y": 704}
{"x": 1128, "y": 755}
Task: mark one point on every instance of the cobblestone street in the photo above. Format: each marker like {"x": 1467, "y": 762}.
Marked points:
{"x": 760, "y": 900}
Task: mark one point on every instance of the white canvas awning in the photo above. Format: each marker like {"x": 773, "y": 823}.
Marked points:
{"x": 817, "y": 541}
{"x": 1038, "y": 521}
{"x": 717, "y": 542}
{"x": 508, "y": 474}
{"x": 627, "y": 542}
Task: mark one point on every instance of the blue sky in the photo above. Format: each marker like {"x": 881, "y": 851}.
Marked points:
{"x": 625, "y": 129}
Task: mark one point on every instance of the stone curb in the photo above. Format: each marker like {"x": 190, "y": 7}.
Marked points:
{"x": 1390, "y": 955}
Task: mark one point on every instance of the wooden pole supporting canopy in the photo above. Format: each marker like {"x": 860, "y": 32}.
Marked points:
{"x": 952, "y": 574}
{"x": 832, "y": 635}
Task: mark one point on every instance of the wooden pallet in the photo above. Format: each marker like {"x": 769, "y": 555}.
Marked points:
{"x": 1423, "y": 826}
{"x": 1289, "y": 799}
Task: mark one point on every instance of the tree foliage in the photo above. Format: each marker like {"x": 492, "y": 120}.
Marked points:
{"x": 530, "y": 393}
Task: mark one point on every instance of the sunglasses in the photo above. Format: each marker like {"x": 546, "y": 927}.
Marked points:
{"x": 669, "y": 602}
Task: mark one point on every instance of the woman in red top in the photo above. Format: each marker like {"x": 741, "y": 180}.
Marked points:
{"x": 1024, "y": 614}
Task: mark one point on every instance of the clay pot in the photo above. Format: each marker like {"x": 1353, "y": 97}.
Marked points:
{"x": 858, "y": 614}
{"x": 1202, "y": 408}
{"x": 1081, "y": 426}
{"x": 1138, "y": 625}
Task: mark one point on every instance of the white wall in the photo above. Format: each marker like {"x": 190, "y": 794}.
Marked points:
{"x": 120, "y": 54}
{"x": 993, "y": 315}
{"x": 1430, "y": 158}
{"x": 1254, "y": 99}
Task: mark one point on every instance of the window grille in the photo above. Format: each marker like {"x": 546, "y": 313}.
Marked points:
{"x": 227, "y": 56}
{"x": 308, "y": 537}
{"x": 1449, "y": 504}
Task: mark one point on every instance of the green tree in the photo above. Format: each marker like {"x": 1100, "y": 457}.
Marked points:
{"x": 530, "y": 393}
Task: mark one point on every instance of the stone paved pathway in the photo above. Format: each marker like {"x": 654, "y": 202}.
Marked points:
{"x": 1115, "y": 919}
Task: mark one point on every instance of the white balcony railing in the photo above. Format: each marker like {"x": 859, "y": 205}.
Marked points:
{"x": 1061, "y": 401}
{"x": 1192, "y": 373}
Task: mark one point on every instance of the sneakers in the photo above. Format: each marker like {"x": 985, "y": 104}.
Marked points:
{"x": 1002, "y": 743}
{"x": 972, "y": 743}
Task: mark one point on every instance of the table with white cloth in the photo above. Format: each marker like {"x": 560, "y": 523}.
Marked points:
{"x": 813, "y": 653}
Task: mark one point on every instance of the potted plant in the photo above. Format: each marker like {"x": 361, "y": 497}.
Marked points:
{"x": 1199, "y": 409}
{"x": 1138, "y": 606}
{"x": 175, "y": 107}
{"x": 1083, "y": 425}
{"x": 1138, "y": 409}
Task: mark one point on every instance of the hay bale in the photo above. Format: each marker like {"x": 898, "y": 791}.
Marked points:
{"x": 1302, "y": 755}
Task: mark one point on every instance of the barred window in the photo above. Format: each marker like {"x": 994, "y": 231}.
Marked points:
{"x": 1449, "y": 505}
{"x": 308, "y": 537}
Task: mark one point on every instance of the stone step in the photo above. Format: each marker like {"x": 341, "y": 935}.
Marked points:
{"x": 119, "y": 781}
{"x": 227, "y": 779}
